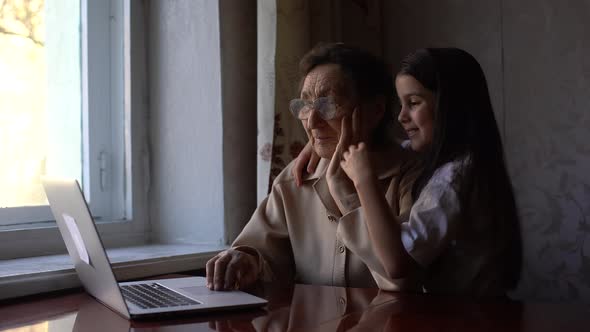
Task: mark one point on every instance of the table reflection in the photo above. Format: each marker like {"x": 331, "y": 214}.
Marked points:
{"x": 312, "y": 305}
{"x": 298, "y": 307}
{"x": 47, "y": 314}
{"x": 307, "y": 308}
{"x": 290, "y": 308}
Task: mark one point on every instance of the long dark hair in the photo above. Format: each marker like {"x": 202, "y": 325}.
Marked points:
{"x": 465, "y": 130}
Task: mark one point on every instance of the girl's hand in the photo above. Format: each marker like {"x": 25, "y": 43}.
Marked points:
{"x": 356, "y": 163}
{"x": 339, "y": 184}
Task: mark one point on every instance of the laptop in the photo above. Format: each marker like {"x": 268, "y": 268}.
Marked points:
{"x": 133, "y": 300}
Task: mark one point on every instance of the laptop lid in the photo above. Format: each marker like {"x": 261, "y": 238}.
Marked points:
{"x": 94, "y": 269}
{"x": 83, "y": 243}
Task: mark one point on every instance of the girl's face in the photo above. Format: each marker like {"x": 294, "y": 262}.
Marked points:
{"x": 417, "y": 113}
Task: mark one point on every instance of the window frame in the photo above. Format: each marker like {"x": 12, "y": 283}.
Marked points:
{"x": 103, "y": 77}
{"x": 121, "y": 216}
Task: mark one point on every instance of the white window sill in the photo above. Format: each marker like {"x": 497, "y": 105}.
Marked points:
{"x": 34, "y": 275}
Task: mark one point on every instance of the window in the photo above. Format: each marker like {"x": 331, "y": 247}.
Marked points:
{"x": 65, "y": 110}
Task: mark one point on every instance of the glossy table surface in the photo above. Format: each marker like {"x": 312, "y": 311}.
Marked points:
{"x": 307, "y": 308}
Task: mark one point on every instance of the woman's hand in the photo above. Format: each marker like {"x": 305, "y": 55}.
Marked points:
{"x": 231, "y": 269}
{"x": 356, "y": 164}
{"x": 307, "y": 160}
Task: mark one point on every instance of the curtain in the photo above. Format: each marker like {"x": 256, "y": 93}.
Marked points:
{"x": 287, "y": 29}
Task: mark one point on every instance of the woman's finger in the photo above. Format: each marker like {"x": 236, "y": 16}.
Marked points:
{"x": 220, "y": 266}
{"x": 232, "y": 275}
{"x": 210, "y": 271}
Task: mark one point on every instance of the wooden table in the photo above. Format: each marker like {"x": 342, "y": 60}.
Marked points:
{"x": 307, "y": 308}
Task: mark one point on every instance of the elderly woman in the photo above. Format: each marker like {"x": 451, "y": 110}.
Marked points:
{"x": 312, "y": 231}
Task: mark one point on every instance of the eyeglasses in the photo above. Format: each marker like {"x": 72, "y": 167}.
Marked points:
{"x": 325, "y": 106}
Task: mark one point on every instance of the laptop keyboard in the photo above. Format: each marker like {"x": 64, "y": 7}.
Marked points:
{"x": 148, "y": 296}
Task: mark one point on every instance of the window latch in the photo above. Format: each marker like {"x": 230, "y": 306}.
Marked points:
{"x": 103, "y": 162}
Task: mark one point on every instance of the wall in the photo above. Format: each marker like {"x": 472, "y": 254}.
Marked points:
{"x": 238, "y": 83}
{"x": 536, "y": 55}
{"x": 186, "y": 191}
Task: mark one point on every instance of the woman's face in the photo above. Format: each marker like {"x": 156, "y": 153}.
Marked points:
{"x": 417, "y": 113}
{"x": 326, "y": 81}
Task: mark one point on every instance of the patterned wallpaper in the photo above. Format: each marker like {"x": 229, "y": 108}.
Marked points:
{"x": 547, "y": 131}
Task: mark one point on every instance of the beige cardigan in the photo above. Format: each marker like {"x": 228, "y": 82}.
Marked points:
{"x": 298, "y": 234}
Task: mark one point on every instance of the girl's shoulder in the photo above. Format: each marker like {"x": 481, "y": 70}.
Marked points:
{"x": 449, "y": 172}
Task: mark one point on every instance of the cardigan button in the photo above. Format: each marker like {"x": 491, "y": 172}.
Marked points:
{"x": 341, "y": 248}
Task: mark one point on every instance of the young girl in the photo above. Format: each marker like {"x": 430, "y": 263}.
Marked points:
{"x": 463, "y": 233}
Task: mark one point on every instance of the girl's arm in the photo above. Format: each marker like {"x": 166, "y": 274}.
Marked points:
{"x": 383, "y": 226}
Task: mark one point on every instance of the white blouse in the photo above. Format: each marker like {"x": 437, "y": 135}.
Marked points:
{"x": 433, "y": 216}
{"x": 453, "y": 261}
